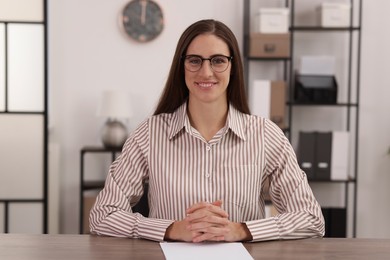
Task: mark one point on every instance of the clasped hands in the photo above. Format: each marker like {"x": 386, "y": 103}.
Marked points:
{"x": 207, "y": 222}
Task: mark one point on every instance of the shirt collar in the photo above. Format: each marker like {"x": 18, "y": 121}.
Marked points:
{"x": 234, "y": 122}
{"x": 180, "y": 120}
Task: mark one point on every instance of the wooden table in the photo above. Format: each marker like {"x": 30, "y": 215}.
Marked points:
{"x": 17, "y": 246}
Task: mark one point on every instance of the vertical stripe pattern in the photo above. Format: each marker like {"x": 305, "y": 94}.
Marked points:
{"x": 183, "y": 169}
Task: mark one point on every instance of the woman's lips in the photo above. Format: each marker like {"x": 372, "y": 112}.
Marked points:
{"x": 205, "y": 84}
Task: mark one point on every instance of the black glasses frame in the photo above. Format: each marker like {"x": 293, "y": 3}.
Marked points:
{"x": 184, "y": 57}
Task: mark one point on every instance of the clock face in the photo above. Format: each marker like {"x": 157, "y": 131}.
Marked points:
{"x": 143, "y": 20}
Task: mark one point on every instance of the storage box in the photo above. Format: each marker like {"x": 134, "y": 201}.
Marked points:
{"x": 273, "y": 20}
{"x": 268, "y": 99}
{"x": 264, "y": 45}
{"x": 89, "y": 201}
{"x": 334, "y": 15}
{"x": 316, "y": 65}
{"x": 335, "y": 221}
{"x": 315, "y": 89}
{"x": 278, "y": 103}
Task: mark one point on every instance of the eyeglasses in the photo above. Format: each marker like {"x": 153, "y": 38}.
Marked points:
{"x": 219, "y": 63}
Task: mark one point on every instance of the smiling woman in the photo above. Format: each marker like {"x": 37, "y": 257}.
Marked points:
{"x": 206, "y": 159}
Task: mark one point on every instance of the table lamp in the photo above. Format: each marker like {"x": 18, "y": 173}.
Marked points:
{"x": 114, "y": 105}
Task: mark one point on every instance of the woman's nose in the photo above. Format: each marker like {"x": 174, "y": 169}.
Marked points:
{"x": 206, "y": 68}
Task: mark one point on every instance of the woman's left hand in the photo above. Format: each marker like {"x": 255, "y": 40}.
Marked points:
{"x": 211, "y": 222}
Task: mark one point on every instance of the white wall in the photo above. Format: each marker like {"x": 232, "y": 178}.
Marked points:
{"x": 89, "y": 53}
{"x": 374, "y": 164}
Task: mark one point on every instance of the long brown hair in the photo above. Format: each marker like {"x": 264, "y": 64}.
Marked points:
{"x": 175, "y": 92}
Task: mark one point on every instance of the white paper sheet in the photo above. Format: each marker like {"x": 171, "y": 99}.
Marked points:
{"x": 204, "y": 251}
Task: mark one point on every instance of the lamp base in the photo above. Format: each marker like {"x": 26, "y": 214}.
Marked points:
{"x": 114, "y": 134}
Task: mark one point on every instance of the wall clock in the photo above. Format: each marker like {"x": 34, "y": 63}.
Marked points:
{"x": 143, "y": 20}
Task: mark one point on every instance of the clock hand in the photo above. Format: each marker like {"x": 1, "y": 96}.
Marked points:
{"x": 143, "y": 11}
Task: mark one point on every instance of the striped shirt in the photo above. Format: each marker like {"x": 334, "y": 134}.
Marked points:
{"x": 182, "y": 169}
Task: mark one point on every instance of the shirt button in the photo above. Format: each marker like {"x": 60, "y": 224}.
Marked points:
{"x": 207, "y": 175}
{"x": 208, "y": 148}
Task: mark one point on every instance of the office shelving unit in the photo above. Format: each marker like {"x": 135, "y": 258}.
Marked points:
{"x": 86, "y": 185}
{"x": 349, "y": 106}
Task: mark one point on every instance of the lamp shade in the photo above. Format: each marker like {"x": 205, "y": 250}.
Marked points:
{"x": 115, "y": 104}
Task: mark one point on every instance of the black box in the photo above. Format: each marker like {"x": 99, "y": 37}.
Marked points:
{"x": 315, "y": 89}
{"x": 335, "y": 222}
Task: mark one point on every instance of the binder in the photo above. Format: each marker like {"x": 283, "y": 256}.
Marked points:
{"x": 323, "y": 156}
{"x": 340, "y": 155}
{"x": 306, "y": 153}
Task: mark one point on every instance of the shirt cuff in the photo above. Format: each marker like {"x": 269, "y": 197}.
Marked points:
{"x": 153, "y": 228}
{"x": 264, "y": 229}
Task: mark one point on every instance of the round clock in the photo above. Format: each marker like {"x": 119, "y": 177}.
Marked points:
{"x": 143, "y": 20}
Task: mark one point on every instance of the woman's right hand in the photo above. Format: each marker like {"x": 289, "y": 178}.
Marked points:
{"x": 180, "y": 231}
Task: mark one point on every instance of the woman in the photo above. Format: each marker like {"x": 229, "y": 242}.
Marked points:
{"x": 206, "y": 159}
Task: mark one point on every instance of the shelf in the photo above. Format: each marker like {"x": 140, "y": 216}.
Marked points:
{"x": 323, "y": 104}
{"x": 348, "y": 104}
{"x": 7, "y": 201}
{"x": 323, "y": 29}
{"x": 99, "y": 149}
{"x": 268, "y": 59}
{"x": 22, "y": 112}
{"x": 333, "y": 181}
{"x": 91, "y": 185}
{"x": 285, "y": 129}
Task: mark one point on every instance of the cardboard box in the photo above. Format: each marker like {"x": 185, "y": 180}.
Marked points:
{"x": 278, "y": 102}
{"x": 273, "y": 20}
{"x": 268, "y": 99}
{"x": 89, "y": 201}
{"x": 334, "y": 15}
{"x": 264, "y": 45}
